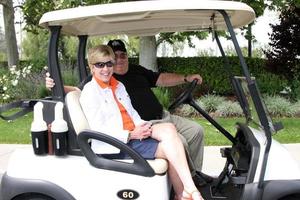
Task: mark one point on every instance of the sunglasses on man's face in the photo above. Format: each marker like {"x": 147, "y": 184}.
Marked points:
{"x": 121, "y": 55}
{"x": 101, "y": 65}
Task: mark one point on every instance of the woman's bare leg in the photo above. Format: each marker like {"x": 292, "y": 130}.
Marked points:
{"x": 171, "y": 148}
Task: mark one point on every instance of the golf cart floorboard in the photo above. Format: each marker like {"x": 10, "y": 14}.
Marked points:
{"x": 226, "y": 191}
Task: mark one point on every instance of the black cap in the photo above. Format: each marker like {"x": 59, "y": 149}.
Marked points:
{"x": 117, "y": 45}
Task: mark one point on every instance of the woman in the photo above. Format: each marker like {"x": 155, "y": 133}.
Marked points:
{"x": 108, "y": 109}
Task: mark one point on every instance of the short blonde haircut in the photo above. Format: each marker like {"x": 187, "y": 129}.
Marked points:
{"x": 95, "y": 54}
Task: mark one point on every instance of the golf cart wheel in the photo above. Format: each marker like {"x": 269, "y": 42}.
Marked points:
{"x": 33, "y": 196}
{"x": 291, "y": 197}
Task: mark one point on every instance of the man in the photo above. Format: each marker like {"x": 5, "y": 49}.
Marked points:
{"x": 138, "y": 82}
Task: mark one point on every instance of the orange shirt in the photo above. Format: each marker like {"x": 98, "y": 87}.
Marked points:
{"x": 128, "y": 124}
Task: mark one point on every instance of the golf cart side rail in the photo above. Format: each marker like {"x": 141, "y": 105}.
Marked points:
{"x": 139, "y": 166}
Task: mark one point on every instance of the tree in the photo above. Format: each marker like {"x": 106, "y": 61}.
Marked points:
{"x": 10, "y": 33}
{"x": 2, "y": 46}
{"x": 2, "y": 41}
{"x": 283, "y": 58}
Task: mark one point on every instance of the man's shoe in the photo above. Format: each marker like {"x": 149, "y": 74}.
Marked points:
{"x": 205, "y": 177}
{"x": 199, "y": 181}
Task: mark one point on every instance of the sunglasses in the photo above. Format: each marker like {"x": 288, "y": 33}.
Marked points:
{"x": 121, "y": 55}
{"x": 101, "y": 65}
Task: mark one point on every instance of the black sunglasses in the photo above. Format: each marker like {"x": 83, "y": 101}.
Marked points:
{"x": 101, "y": 65}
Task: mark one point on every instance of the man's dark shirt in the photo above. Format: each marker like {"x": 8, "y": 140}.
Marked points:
{"x": 138, "y": 82}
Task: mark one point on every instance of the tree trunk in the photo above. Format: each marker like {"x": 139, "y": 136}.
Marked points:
{"x": 147, "y": 54}
{"x": 10, "y": 33}
{"x": 250, "y": 40}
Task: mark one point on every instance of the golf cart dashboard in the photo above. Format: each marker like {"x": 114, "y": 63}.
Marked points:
{"x": 243, "y": 154}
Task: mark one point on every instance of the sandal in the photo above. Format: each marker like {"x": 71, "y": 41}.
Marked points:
{"x": 193, "y": 195}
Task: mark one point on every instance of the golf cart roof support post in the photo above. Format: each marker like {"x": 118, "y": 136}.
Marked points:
{"x": 226, "y": 61}
{"x": 236, "y": 45}
{"x": 81, "y": 63}
{"x": 53, "y": 64}
{"x": 255, "y": 94}
{"x": 266, "y": 127}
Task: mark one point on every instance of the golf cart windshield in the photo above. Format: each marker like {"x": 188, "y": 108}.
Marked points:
{"x": 248, "y": 103}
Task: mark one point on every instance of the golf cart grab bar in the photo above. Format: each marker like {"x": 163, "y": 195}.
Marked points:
{"x": 139, "y": 166}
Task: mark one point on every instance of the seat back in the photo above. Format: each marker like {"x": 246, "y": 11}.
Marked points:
{"x": 76, "y": 114}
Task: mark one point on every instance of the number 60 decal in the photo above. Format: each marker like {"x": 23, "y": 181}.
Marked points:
{"x": 128, "y": 194}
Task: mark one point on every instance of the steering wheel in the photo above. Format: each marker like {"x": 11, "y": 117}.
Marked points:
{"x": 185, "y": 96}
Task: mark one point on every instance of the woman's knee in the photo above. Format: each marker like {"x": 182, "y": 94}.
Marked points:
{"x": 165, "y": 130}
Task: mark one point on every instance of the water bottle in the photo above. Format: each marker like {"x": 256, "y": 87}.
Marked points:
{"x": 39, "y": 131}
{"x": 59, "y": 130}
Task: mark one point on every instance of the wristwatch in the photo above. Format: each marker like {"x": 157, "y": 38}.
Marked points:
{"x": 185, "y": 78}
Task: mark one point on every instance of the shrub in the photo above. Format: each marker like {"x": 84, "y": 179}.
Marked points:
{"x": 229, "y": 109}
{"x": 279, "y": 106}
{"x": 211, "y": 102}
{"x": 187, "y": 111}
{"x": 12, "y": 82}
{"x": 162, "y": 95}
{"x": 296, "y": 108}
{"x": 70, "y": 78}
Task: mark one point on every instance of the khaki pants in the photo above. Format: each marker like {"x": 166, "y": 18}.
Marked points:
{"x": 192, "y": 137}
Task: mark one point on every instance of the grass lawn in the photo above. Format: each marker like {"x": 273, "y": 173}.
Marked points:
{"x": 18, "y": 131}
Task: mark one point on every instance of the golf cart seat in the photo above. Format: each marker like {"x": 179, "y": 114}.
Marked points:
{"x": 80, "y": 124}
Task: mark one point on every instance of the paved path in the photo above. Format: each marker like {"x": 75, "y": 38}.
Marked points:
{"x": 213, "y": 162}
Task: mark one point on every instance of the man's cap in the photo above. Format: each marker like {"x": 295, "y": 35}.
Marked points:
{"x": 117, "y": 45}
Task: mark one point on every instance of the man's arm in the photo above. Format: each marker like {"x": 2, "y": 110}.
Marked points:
{"x": 172, "y": 79}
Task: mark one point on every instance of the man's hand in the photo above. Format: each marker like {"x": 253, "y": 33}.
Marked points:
{"x": 192, "y": 77}
{"x": 49, "y": 81}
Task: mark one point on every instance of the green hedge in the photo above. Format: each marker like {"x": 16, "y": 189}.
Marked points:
{"x": 215, "y": 77}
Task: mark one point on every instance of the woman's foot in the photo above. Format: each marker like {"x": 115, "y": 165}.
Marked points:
{"x": 193, "y": 195}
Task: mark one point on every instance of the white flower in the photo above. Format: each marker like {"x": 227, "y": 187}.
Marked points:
{"x": 12, "y": 68}
{"x": 14, "y": 82}
{"x": 18, "y": 73}
{"x": 29, "y": 67}
{"x": 4, "y": 88}
{"x": 6, "y": 97}
{"x": 45, "y": 67}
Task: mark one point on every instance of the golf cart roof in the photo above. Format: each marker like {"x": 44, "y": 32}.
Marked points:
{"x": 148, "y": 17}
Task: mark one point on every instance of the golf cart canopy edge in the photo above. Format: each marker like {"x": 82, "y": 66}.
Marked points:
{"x": 148, "y": 17}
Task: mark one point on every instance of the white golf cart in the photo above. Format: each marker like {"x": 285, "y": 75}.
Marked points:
{"x": 257, "y": 166}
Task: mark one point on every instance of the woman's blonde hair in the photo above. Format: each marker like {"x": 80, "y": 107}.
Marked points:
{"x": 96, "y": 53}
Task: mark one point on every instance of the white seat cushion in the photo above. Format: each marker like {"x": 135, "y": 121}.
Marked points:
{"x": 77, "y": 116}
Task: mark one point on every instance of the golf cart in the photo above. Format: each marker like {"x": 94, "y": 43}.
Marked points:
{"x": 257, "y": 166}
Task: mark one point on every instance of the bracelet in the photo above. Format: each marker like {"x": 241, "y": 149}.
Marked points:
{"x": 185, "y": 78}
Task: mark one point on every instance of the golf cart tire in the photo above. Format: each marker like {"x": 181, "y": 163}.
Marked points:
{"x": 18, "y": 188}
{"x": 281, "y": 190}
{"x": 32, "y": 196}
